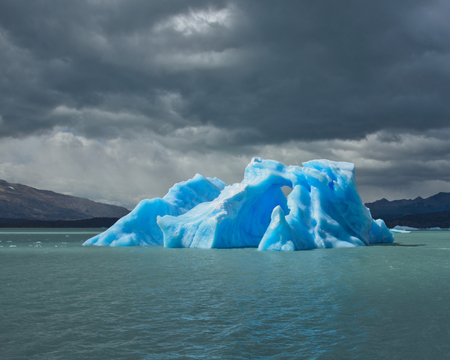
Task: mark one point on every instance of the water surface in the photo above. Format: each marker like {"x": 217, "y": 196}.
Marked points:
{"x": 60, "y": 300}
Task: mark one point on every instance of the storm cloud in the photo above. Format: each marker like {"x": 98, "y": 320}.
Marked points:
{"x": 168, "y": 83}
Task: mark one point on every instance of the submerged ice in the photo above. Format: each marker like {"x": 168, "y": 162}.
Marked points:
{"x": 324, "y": 210}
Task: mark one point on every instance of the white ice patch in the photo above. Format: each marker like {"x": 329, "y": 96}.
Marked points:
{"x": 406, "y": 228}
{"x": 400, "y": 231}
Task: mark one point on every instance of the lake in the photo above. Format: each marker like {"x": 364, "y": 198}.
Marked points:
{"x": 60, "y": 300}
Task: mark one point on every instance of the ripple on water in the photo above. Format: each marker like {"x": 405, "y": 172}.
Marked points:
{"x": 153, "y": 303}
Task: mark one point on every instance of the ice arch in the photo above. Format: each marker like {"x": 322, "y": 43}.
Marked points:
{"x": 324, "y": 210}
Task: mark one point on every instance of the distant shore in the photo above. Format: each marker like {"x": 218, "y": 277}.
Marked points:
{"x": 420, "y": 221}
{"x": 423, "y": 221}
{"x": 84, "y": 223}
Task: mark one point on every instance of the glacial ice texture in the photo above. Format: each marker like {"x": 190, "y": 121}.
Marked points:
{"x": 139, "y": 226}
{"x": 324, "y": 210}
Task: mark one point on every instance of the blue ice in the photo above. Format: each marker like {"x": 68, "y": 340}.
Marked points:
{"x": 139, "y": 226}
{"x": 324, "y": 210}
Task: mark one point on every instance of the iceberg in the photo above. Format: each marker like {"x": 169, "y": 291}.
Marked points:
{"x": 324, "y": 210}
{"x": 405, "y": 228}
{"x": 139, "y": 226}
{"x": 400, "y": 231}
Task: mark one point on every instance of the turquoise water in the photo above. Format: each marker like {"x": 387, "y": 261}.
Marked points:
{"x": 60, "y": 300}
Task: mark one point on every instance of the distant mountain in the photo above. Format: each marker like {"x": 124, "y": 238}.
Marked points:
{"x": 84, "y": 223}
{"x": 429, "y": 220}
{"x": 386, "y": 210}
{"x": 21, "y": 202}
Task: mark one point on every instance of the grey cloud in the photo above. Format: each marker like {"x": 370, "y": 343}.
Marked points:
{"x": 126, "y": 170}
{"x": 268, "y": 72}
{"x": 118, "y": 100}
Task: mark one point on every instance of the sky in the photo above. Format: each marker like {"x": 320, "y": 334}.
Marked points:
{"x": 118, "y": 100}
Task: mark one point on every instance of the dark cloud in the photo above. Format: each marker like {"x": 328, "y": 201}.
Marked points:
{"x": 268, "y": 71}
{"x": 117, "y": 100}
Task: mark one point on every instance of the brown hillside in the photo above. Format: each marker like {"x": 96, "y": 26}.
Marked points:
{"x": 23, "y": 202}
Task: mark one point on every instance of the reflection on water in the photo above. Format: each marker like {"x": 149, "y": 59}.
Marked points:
{"x": 397, "y": 244}
{"x": 60, "y": 300}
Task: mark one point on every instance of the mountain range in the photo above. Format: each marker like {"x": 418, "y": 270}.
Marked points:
{"x": 24, "y": 206}
{"x": 433, "y": 211}
{"x": 20, "y": 203}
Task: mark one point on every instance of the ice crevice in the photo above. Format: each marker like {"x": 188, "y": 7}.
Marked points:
{"x": 323, "y": 210}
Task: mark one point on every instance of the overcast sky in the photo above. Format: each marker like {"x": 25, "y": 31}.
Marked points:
{"x": 118, "y": 100}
